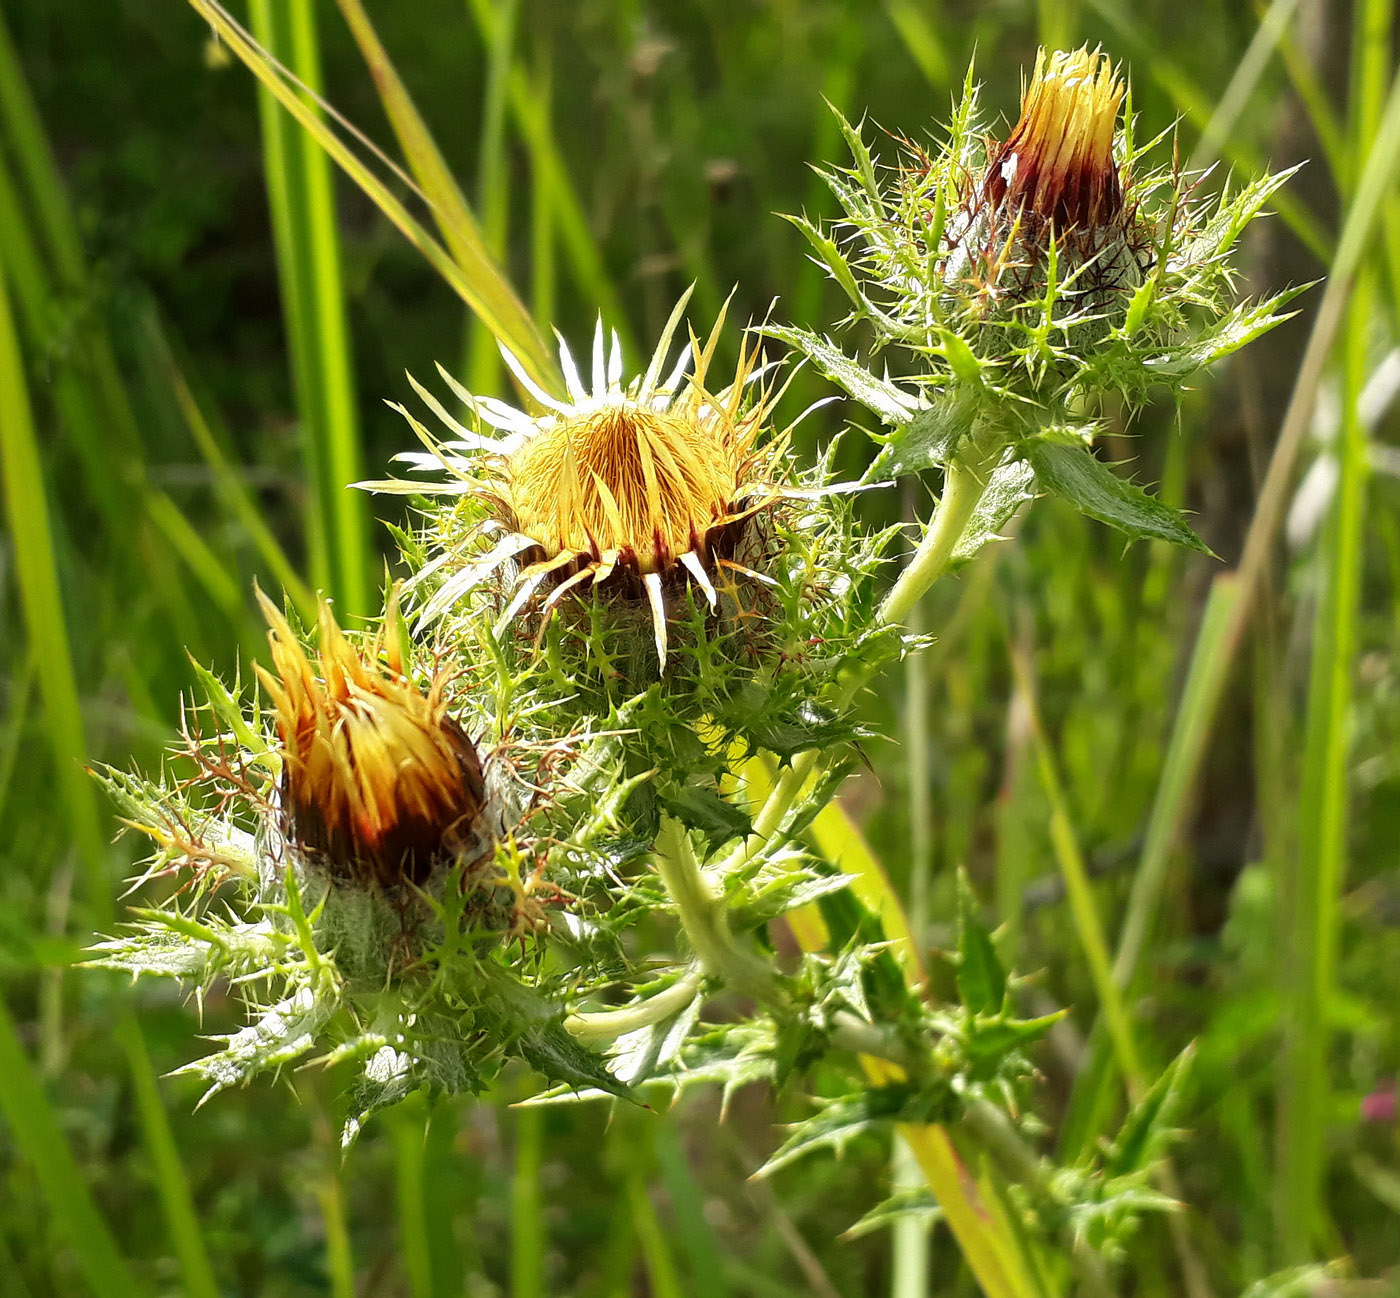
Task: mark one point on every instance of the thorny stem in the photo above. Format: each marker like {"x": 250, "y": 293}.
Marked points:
{"x": 699, "y": 903}
{"x": 964, "y": 485}
{"x": 1018, "y": 1160}
{"x": 608, "y": 1025}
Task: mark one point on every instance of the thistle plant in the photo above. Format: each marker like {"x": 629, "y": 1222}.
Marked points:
{"x": 550, "y": 807}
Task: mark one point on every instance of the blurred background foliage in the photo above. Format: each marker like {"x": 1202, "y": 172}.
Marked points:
{"x": 192, "y": 363}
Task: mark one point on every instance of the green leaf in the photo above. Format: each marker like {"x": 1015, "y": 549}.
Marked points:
{"x": 981, "y": 978}
{"x": 1075, "y": 473}
{"x": 879, "y": 396}
{"x": 927, "y": 440}
{"x": 1240, "y": 326}
{"x": 833, "y": 1127}
{"x": 549, "y": 1049}
{"x": 918, "y": 1205}
{"x": 1010, "y": 485}
{"x": 787, "y": 891}
{"x": 701, "y": 808}
{"x": 994, "y": 1039}
{"x": 1149, "y": 1126}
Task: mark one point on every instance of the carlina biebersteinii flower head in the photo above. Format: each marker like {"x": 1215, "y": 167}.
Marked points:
{"x": 635, "y": 487}
{"x": 1055, "y": 177}
{"x": 379, "y": 785}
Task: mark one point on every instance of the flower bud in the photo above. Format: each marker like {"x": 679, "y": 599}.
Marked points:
{"x": 1055, "y": 184}
{"x": 1056, "y": 170}
{"x": 379, "y": 784}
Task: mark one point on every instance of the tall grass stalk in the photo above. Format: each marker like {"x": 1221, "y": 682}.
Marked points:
{"x": 1069, "y": 856}
{"x": 695, "y": 1237}
{"x": 1186, "y": 748}
{"x": 36, "y": 1133}
{"x": 1308, "y": 935}
{"x": 172, "y": 1183}
{"x": 476, "y": 279}
{"x": 493, "y": 185}
{"x": 41, "y": 599}
{"x": 307, "y": 238}
{"x": 529, "y": 104}
{"x": 527, "y": 1238}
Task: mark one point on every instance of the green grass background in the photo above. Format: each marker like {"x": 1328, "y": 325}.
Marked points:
{"x": 199, "y": 323}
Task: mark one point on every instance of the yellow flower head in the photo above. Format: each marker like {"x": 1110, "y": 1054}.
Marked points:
{"x": 642, "y": 485}
{"x": 1056, "y": 170}
{"x": 379, "y": 784}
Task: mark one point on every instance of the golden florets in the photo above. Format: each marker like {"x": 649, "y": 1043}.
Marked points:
{"x": 379, "y": 784}
{"x": 638, "y": 485}
{"x": 1056, "y": 169}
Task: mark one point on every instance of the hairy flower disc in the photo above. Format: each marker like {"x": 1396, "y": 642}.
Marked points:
{"x": 1057, "y": 169}
{"x": 645, "y": 485}
{"x": 378, "y": 782}
{"x": 637, "y": 486}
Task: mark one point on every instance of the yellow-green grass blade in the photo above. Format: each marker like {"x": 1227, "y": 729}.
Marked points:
{"x": 1310, "y": 894}
{"x": 973, "y": 1209}
{"x": 301, "y": 197}
{"x": 695, "y": 1238}
{"x": 31, "y": 538}
{"x": 1186, "y": 747}
{"x": 1069, "y": 856}
{"x": 500, "y": 309}
{"x": 543, "y": 200}
{"x": 181, "y": 1219}
{"x": 483, "y": 288}
{"x": 663, "y": 1280}
{"x": 1227, "y": 612}
{"x": 493, "y": 185}
{"x": 1196, "y": 105}
{"x": 1310, "y": 917}
{"x": 528, "y": 1245}
{"x": 35, "y": 1131}
{"x": 45, "y": 265}
{"x": 409, "y": 1130}
{"x": 29, "y": 145}
{"x": 230, "y": 487}
{"x": 529, "y": 104}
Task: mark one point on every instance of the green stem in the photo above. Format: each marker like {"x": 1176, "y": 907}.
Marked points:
{"x": 964, "y": 485}
{"x": 607, "y": 1025}
{"x": 699, "y": 904}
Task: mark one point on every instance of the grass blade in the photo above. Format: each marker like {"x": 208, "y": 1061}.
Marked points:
{"x": 529, "y": 104}
{"x": 527, "y": 1241}
{"x": 1069, "y": 856}
{"x": 1310, "y": 920}
{"x": 500, "y": 309}
{"x": 480, "y": 285}
{"x": 180, "y": 1217}
{"x": 308, "y": 257}
{"x": 695, "y": 1236}
{"x": 1200, "y": 697}
{"x": 35, "y": 1130}
{"x": 31, "y": 536}
{"x": 985, "y": 1234}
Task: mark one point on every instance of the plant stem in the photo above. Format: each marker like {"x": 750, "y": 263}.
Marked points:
{"x": 700, "y": 905}
{"x": 608, "y": 1025}
{"x": 964, "y": 484}
{"x": 963, "y": 488}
